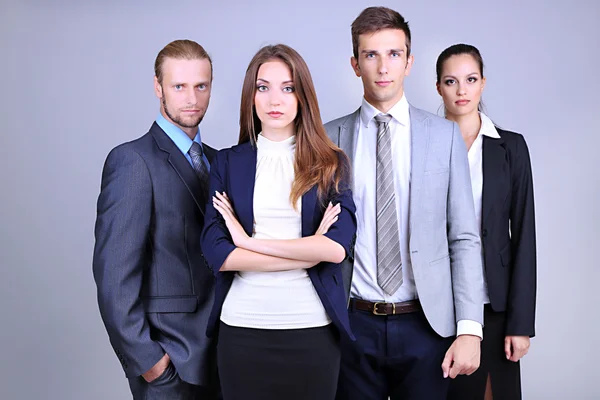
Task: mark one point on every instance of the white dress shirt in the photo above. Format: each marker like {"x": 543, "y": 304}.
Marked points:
{"x": 476, "y": 170}
{"x": 364, "y": 281}
{"x": 282, "y": 299}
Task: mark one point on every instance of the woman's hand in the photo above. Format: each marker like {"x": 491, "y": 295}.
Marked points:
{"x": 223, "y": 206}
{"x": 515, "y": 347}
{"x": 329, "y": 218}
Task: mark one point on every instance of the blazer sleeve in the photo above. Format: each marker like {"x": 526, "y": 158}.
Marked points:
{"x": 463, "y": 236}
{"x": 522, "y": 291}
{"x": 216, "y": 240}
{"x": 343, "y": 231}
{"x": 122, "y": 229}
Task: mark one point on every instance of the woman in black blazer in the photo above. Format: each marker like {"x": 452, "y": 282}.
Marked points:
{"x": 503, "y": 195}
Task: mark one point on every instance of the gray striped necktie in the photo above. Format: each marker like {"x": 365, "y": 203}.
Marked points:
{"x": 389, "y": 263}
{"x": 200, "y": 167}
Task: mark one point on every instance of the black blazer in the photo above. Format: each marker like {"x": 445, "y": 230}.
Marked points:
{"x": 154, "y": 290}
{"x": 508, "y": 230}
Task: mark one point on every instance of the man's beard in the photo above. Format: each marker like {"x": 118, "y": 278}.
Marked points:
{"x": 178, "y": 120}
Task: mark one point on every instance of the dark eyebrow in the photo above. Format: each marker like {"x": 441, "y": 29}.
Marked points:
{"x": 266, "y": 81}
{"x": 367, "y": 51}
{"x": 453, "y": 77}
{"x": 449, "y": 77}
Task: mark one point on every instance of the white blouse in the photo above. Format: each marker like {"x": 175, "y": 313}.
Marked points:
{"x": 274, "y": 300}
{"x": 476, "y": 169}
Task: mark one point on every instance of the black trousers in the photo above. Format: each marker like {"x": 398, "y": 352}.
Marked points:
{"x": 505, "y": 375}
{"x": 291, "y": 364}
{"x": 169, "y": 386}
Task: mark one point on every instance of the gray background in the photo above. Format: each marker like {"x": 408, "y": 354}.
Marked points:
{"x": 77, "y": 80}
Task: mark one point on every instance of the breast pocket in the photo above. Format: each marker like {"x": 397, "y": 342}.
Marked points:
{"x": 436, "y": 171}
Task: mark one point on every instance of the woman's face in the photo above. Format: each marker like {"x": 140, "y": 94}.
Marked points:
{"x": 275, "y": 99}
{"x": 461, "y": 85}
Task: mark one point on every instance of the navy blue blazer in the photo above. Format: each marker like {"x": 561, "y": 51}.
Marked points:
{"x": 233, "y": 171}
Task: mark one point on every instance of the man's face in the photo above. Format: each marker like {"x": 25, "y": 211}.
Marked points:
{"x": 184, "y": 92}
{"x": 382, "y": 64}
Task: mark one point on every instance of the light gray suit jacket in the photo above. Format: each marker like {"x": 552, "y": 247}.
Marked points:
{"x": 444, "y": 243}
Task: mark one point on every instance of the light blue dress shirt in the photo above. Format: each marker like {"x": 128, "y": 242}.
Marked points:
{"x": 181, "y": 139}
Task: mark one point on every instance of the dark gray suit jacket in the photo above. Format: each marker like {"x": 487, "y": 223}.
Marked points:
{"x": 155, "y": 291}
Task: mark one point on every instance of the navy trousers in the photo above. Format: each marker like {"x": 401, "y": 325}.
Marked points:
{"x": 396, "y": 357}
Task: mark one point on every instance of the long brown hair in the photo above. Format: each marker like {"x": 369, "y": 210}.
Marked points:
{"x": 318, "y": 161}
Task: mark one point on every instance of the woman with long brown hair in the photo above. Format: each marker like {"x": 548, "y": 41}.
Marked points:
{"x": 280, "y": 223}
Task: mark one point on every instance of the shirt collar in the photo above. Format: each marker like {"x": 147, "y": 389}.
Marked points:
{"x": 487, "y": 127}
{"x": 399, "y": 112}
{"x": 179, "y": 137}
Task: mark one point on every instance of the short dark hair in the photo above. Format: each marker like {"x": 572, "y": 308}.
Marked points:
{"x": 374, "y": 19}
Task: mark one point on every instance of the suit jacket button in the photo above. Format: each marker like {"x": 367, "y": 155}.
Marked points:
{"x": 484, "y": 233}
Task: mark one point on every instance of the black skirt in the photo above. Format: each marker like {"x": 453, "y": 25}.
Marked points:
{"x": 505, "y": 375}
{"x": 290, "y": 364}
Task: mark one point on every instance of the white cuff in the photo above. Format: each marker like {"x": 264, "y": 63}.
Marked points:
{"x": 469, "y": 327}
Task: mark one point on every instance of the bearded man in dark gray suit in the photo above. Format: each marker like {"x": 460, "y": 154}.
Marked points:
{"x": 155, "y": 291}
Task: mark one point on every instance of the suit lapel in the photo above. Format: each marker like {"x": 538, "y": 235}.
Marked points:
{"x": 242, "y": 167}
{"x": 494, "y": 165}
{"x": 347, "y": 135}
{"x": 419, "y": 144}
{"x": 180, "y": 164}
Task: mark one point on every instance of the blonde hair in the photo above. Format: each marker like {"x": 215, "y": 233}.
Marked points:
{"x": 180, "y": 50}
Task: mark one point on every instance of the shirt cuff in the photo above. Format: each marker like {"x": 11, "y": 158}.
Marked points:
{"x": 469, "y": 327}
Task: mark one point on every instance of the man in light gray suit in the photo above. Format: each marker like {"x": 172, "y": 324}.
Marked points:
{"x": 417, "y": 279}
